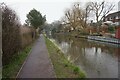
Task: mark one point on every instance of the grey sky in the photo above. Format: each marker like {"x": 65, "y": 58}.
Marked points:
{"x": 53, "y": 9}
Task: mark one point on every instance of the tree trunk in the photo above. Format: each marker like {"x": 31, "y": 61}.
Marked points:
{"x": 97, "y": 24}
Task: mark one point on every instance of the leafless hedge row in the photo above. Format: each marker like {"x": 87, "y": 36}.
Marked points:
{"x": 27, "y": 35}
{"x": 14, "y": 36}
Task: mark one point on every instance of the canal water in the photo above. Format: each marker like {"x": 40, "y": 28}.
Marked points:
{"x": 96, "y": 59}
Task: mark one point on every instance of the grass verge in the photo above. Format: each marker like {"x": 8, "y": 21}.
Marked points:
{"x": 63, "y": 68}
{"x": 10, "y": 70}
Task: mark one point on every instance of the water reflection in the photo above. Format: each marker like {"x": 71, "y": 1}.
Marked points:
{"x": 96, "y": 59}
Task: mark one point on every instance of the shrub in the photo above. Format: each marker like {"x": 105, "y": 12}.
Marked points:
{"x": 27, "y": 35}
{"x": 111, "y": 29}
{"x": 76, "y": 70}
{"x": 14, "y": 36}
{"x": 11, "y": 41}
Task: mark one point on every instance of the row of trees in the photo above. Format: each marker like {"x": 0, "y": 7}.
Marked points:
{"x": 77, "y": 16}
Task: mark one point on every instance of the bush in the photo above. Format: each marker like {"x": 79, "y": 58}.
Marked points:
{"x": 27, "y": 35}
{"x": 11, "y": 42}
{"x": 111, "y": 29}
{"x": 14, "y": 36}
{"x": 76, "y": 70}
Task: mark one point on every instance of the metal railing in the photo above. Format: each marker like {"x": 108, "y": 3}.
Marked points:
{"x": 105, "y": 39}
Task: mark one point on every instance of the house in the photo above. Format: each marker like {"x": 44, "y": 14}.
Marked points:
{"x": 113, "y": 17}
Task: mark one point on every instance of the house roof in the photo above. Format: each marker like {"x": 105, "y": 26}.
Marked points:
{"x": 115, "y": 13}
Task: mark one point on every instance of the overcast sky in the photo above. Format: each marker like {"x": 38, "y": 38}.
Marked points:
{"x": 53, "y": 9}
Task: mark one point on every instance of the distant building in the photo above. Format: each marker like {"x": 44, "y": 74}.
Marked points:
{"x": 114, "y": 17}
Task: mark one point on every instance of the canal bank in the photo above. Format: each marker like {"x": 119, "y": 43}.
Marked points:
{"x": 104, "y": 39}
{"x": 96, "y": 59}
{"x": 63, "y": 67}
{"x": 96, "y": 38}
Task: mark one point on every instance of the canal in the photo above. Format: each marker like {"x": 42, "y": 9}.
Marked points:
{"x": 97, "y": 60}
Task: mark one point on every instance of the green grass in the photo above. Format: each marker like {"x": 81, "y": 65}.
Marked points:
{"x": 63, "y": 68}
{"x": 10, "y": 70}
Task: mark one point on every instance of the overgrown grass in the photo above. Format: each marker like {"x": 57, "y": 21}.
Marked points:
{"x": 63, "y": 68}
{"x": 10, "y": 70}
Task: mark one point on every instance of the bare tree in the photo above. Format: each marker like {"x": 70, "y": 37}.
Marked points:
{"x": 101, "y": 9}
{"x": 88, "y": 9}
{"x": 75, "y": 17}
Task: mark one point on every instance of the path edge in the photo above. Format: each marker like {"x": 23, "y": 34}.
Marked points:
{"x": 49, "y": 57}
{"x": 24, "y": 63}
